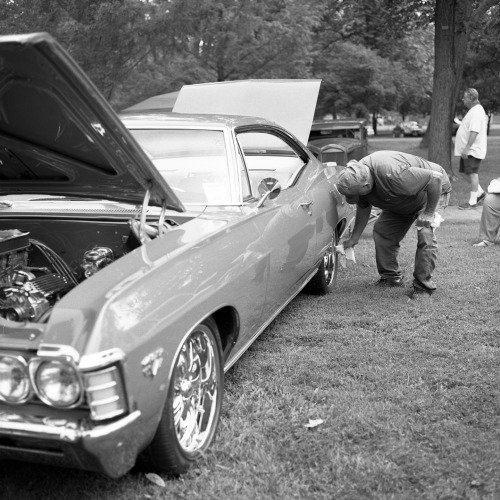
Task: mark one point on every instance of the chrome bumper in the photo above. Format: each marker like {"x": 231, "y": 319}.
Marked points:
{"x": 109, "y": 448}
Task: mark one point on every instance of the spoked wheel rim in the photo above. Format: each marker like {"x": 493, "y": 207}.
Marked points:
{"x": 196, "y": 390}
{"x": 330, "y": 262}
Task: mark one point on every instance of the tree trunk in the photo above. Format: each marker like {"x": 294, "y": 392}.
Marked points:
{"x": 451, "y": 37}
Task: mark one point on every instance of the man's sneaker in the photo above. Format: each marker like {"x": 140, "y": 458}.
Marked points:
{"x": 481, "y": 197}
{"x": 390, "y": 282}
{"x": 466, "y": 206}
{"x": 419, "y": 294}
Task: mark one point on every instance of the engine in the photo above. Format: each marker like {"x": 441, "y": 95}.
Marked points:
{"x": 28, "y": 293}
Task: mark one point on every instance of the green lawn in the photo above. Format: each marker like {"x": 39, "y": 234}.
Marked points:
{"x": 408, "y": 394}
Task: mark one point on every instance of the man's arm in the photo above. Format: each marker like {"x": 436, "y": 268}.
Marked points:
{"x": 433, "y": 190}
{"x": 360, "y": 222}
{"x": 470, "y": 142}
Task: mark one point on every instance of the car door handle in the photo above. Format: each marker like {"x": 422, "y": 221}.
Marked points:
{"x": 306, "y": 204}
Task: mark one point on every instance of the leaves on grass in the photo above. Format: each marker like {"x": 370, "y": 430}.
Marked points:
{"x": 313, "y": 423}
{"x": 156, "y": 479}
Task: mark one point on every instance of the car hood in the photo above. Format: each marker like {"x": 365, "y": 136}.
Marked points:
{"x": 289, "y": 103}
{"x": 59, "y": 136}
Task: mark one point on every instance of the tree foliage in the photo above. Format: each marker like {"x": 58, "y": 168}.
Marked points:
{"x": 372, "y": 55}
{"x": 482, "y": 65}
{"x": 232, "y": 40}
{"x": 455, "y": 22}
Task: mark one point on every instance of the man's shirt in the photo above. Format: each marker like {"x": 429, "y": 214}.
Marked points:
{"x": 474, "y": 121}
{"x": 400, "y": 180}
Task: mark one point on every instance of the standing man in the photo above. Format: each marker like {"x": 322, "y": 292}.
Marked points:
{"x": 470, "y": 145}
{"x": 406, "y": 188}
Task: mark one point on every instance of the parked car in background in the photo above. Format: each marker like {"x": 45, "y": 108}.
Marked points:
{"x": 140, "y": 258}
{"x": 408, "y": 129}
{"x": 338, "y": 140}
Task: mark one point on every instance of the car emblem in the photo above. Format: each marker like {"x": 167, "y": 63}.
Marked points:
{"x": 152, "y": 362}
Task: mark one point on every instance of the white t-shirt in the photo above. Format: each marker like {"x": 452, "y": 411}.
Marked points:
{"x": 474, "y": 121}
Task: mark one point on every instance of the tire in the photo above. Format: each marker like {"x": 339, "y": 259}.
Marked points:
{"x": 324, "y": 280}
{"x": 187, "y": 428}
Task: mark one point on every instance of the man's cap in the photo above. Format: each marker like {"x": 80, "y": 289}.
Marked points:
{"x": 354, "y": 178}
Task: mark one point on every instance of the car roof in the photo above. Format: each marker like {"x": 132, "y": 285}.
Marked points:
{"x": 161, "y": 118}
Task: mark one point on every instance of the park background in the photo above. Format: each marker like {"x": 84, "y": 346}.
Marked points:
{"x": 376, "y": 58}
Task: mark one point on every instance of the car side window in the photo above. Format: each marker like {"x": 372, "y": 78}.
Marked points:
{"x": 268, "y": 155}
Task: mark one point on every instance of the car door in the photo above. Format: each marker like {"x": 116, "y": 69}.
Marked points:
{"x": 288, "y": 223}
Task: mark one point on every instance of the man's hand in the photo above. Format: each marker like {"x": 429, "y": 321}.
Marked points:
{"x": 464, "y": 154}
{"x": 425, "y": 220}
{"x": 350, "y": 242}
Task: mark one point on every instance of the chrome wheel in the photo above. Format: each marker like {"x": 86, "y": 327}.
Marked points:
{"x": 329, "y": 264}
{"x": 322, "y": 282}
{"x": 191, "y": 412}
{"x": 195, "y": 391}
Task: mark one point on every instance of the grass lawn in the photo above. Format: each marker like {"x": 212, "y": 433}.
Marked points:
{"x": 407, "y": 392}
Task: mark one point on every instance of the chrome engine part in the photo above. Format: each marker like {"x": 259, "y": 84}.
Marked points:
{"x": 96, "y": 259}
{"x": 30, "y": 297}
{"x": 27, "y": 293}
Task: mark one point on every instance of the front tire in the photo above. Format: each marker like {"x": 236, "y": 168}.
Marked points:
{"x": 324, "y": 280}
{"x": 191, "y": 413}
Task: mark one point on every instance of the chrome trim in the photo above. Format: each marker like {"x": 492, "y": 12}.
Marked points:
{"x": 30, "y": 390}
{"x": 102, "y": 359}
{"x": 95, "y": 388}
{"x": 69, "y": 433}
{"x": 102, "y": 402}
{"x": 58, "y": 351}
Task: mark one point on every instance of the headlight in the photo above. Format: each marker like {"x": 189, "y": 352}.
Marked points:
{"x": 57, "y": 383}
{"x": 14, "y": 380}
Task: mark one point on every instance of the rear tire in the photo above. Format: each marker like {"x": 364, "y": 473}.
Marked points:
{"x": 191, "y": 413}
{"x": 324, "y": 280}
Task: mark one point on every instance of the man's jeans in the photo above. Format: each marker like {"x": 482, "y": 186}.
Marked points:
{"x": 388, "y": 232}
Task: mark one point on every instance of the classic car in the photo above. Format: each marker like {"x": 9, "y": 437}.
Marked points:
{"x": 338, "y": 140}
{"x": 408, "y": 129}
{"x": 140, "y": 257}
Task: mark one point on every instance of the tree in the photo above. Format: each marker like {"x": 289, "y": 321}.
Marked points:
{"x": 455, "y": 20}
{"x": 398, "y": 46}
{"x": 360, "y": 87}
{"x": 239, "y": 39}
{"x": 111, "y": 40}
{"x": 482, "y": 66}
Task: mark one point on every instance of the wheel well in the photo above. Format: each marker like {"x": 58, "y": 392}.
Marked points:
{"x": 340, "y": 227}
{"x": 228, "y": 323}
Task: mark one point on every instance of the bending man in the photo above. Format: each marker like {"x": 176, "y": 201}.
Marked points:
{"x": 406, "y": 188}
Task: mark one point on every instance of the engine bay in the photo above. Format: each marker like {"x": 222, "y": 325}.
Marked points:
{"x": 44, "y": 260}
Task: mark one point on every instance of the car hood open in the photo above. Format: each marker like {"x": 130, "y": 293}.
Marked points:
{"x": 59, "y": 136}
{"x": 289, "y": 103}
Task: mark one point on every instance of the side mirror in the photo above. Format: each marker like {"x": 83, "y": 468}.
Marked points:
{"x": 268, "y": 188}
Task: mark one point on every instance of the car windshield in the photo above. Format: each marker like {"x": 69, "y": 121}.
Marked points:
{"x": 193, "y": 162}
